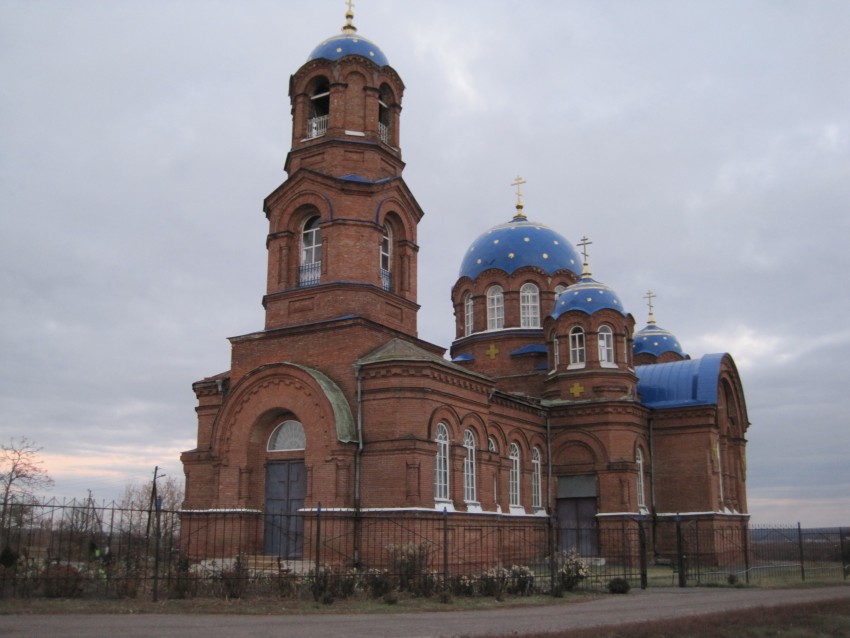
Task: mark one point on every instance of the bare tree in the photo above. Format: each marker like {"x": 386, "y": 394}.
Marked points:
{"x": 21, "y": 474}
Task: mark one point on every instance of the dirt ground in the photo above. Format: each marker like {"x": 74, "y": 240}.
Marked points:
{"x": 638, "y": 606}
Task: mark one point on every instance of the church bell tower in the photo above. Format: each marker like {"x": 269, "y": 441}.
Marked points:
{"x": 342, "y": 227}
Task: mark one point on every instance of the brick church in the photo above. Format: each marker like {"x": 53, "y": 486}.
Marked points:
{"x": 550, "y": 408}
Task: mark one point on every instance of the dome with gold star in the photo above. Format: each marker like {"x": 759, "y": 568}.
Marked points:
{"x": 517, "y": 244}
{"x": 655, "y": 340}
{"x": 588, "y": 296}
{"x": 348, "y": 43}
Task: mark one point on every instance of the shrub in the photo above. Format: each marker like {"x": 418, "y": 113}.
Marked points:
{"x": 521, "y": 581}
{"x": 235, "y": 579}
{"x": 619, "y": 586}
{"x": 732, "y": 579}
{"x": 378, "y": 582}
{"x": 494, "y": 582}
{"x": 61, "y": 581}
{"x": 407, "y": 562}
{"x": 461, "y": 586}
{"x": 571, "y": 570}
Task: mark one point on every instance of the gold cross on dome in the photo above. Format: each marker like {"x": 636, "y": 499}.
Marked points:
{"x": 577, "y": 389}
{"x": 649, "y": 296}
{"x": 584, "y": 243}
{"x": 518, "y": 182}
{"x": 492, "y": 351}
{"x": 350, "y": 4}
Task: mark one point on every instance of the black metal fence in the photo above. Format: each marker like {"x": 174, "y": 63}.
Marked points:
{"x": 80, "y": 548}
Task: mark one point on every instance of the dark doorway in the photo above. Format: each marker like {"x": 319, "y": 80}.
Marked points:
{"x": 577, "y": 525}
{"x": 286, "y": 487}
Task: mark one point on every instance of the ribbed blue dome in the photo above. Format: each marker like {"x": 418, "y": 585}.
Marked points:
{"x": 344, "y": 44}
{"x": 519, "y": 243}
{"x": 589, "y": 296}
{"x": 655, "y": 340}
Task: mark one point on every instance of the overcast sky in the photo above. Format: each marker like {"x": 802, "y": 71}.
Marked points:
{"x": 703, "y": 146}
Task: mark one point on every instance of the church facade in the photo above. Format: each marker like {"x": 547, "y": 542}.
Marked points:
{"x": 549, "y": 408}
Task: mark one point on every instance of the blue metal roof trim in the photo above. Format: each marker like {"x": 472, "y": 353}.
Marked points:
{"x": 354, "y": 177}
{"x": 463, "y": 357}
{"x": 588, "y": 296}
{"x": 680, "y": 383}
{"x": 656, "y": 341}
{"x": 532, "y": 349}
{"x": 339, "y": 46}
{"x": 519, "y": 243}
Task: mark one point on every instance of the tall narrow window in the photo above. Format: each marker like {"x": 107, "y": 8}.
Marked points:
{"x": 384, "y": 100}
{"x": 577, "y": 347}
{"x": 529, "y": 306}
{"x": 468, "y": 315}
{"x": 536, "y": 480}
{"x": 386, "y": 259}
{"x": 513, "y": 478}
{"x": 309, "y": 274}
{"x": 320, "y": 102}
{"x": 606, "y": 346}
{"x": 556, "y": 353}
{"x": 469, "y": 492}
{"x": 495, "y": 308}
{"x": 641, "y": 493}
{"x": 441, "y": 469}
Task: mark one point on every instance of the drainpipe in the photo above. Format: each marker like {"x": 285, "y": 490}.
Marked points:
{"x": 652, "y": 478}
{"x": 549, "y": 465}
{"x": 357, "y": 463}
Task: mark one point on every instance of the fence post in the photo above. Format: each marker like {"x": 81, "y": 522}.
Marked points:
{"x": 158, "y": 503}
{"x": 680, "y": 553}
{"x": 643, "y": 560}
{"x": 747, "y": 553}
{"x": 845, "y": 559}
{"x": 800, "y": 545}
{"x": 445, "y": 549}
{"x": 318, "y": 538}
{"x": 552, "y": 523}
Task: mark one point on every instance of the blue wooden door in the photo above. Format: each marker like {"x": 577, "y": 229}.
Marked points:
{"x": 286, "y": 487}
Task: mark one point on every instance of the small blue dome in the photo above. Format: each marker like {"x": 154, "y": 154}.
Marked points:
{"x": 519, "y": 243}
{"x": 655, "y": 340}
{"x": 588, "y": 296}
{"x": 344, "y": 44}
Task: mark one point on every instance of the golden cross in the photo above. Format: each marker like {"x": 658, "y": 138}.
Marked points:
{"x": 518, "y": 182}
{"x": 492, "y": 351}
{"x": 649, "y": 296}
{"x": 350, "y": 4}
{"x": 576, "y": 389}
{"x": 584, "y": 243}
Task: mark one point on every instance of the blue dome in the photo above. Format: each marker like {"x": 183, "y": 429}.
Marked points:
{"x": 655, "y": 340}
{"x": 519, "y": 243}
{"x": 589, "y": 296}
{"x": 344, "y": 44}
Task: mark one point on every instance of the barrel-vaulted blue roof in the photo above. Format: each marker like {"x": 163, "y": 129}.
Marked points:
{"x": 655, "y": 340}
{"x": 519, "y": 243}
{"x": 680, "y": 383}
{"x": 588, "y": 296}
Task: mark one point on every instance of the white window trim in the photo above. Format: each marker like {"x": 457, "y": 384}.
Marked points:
{"x": 468, "y": 314}
{"x": 514, "y": 478}
{"x": 536, "y": 480}
{"x": 442, "y": 473}
{"x": 470, "y": 494}
{"x": 607, "y": 359}
{"x": 495, "y": 308}
{"x": 529, "y": 306}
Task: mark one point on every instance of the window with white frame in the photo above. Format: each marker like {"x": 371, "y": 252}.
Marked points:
{"x": 492, "y": 444}
{"x": 441, "y": 464}
{"x": 386, "y": 258}
{"x": 468, "y": 314}
{"x": 529, "y": 306}
{"x": 577, "y": 357}
{"x": 309, "y": 273}
{"x": 641, "y": 493}
{"x": 289, "y": 435}
{"x": 513, "y": 477}
{"x": 469, "y": 492}
{"x": 495, "y": 308}
{"x": 606, "y": 346}
{"x": 536, "y": 479}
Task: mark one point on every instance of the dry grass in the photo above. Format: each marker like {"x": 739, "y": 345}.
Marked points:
{"x": 826, "y": 619}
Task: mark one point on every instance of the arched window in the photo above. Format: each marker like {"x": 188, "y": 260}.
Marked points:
{"x": 556, "y": 353}
{"x": 641, "y": 492}
{"x": 495, "y": 308}
{"x": 387, "y": 258}
{"x": 468, "y": 315}
{"x": 559, "y": 289}
{"x": 577, "y": 357}
{"x": 606, "y": 346}
{"x": 320, "y": 104}
{"x": 469, "y": 492}
{"x": 310, "y": 271}
{"x": 513, "y": 478}
{"x": 441, "y": 469}
{"x": 385, "y": 99}
{"x": 529, "y": 306}
{"x": 289, "y": 435}
{"x": 536, "y": 480}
